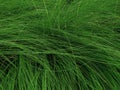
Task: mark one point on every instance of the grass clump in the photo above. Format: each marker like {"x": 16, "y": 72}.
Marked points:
{"x": 59, "y": 45}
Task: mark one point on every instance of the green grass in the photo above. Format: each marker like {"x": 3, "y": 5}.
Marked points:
{"x": 59, "y": 44}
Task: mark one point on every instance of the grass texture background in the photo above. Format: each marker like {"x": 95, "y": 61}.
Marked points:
{"x": 59, "y": 44}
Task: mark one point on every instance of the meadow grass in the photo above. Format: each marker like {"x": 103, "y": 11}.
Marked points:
{"x": 59, "y": 44}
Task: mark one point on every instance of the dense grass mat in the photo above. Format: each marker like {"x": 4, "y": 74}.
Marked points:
{"x": 59, "y": 44}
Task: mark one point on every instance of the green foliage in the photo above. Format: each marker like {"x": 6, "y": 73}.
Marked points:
{"x": 59, "y": 45}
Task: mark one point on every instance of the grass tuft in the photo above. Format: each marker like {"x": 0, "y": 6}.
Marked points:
{"x": 59, "y": 45}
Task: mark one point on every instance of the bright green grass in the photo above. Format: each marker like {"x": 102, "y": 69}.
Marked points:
{"x": 59, "y": 44}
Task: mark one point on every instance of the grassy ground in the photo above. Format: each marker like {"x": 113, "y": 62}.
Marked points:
{"x": 59, "y": 44}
